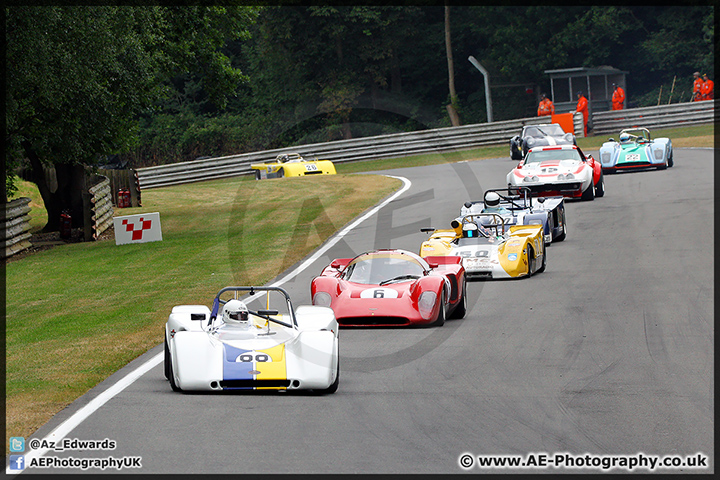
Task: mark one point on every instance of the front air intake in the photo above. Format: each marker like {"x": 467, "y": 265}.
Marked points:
{"x": 373, "y": 320}
{"x": 255, "y": 383}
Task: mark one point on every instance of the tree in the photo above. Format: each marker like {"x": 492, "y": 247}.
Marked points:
{"x": 452, "y": 107}
{"x": 78, "y": 77}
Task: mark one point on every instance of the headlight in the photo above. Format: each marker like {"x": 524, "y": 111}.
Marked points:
{"x": 658, "y": 154}
{"x": 570, "y": 176}
{"x": 561, "y": 177}
{"x": 426, "y": 303}
{"x": 322, "y": 299}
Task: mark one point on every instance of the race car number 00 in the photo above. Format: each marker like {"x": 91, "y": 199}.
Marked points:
{"x": 250, "y": 357}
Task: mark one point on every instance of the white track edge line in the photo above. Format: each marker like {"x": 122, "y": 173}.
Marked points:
{"x": 62, "y": 430}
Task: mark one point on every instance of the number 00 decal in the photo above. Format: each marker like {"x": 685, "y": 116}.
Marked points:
{"x": 250, "y": 357}
{"x": 379, "y": 292}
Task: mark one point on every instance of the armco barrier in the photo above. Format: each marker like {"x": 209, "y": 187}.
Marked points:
{"x": 425, "y": 141}
{"x": 663, "y": 116}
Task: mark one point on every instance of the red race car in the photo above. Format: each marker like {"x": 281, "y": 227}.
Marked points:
{"x": 392, "y": 288}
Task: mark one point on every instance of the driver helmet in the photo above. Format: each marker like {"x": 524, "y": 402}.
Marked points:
{"x": 624, "y": 137}
{"x": 492, "y": 199}
{"x": 235, "y": 312}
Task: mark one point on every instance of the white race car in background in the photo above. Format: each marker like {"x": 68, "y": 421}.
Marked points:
{"x": 272, "y": 346}
{"x": 558, "y": 170}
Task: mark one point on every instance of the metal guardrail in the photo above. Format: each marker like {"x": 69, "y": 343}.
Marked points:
{"x": 662, "y": 116}
{"x": 425, "y": 141}
{"x": 340, "y": 151}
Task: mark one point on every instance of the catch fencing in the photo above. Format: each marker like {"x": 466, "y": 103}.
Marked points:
{"x": 437, "y": 140}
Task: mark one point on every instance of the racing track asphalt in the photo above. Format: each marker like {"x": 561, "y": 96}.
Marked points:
{"x": 608, "y": 352}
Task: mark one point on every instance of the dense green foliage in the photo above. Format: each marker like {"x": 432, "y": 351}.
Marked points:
{"x": 167, "y": 84}
{"x": 320, "y": 73}
{"x": 79, "y": 77}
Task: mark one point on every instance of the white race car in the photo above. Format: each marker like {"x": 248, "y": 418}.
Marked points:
{"x": 233, "y": 347}
{"x": 558, "y": 170}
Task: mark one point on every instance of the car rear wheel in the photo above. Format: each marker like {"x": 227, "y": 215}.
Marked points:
{"x": 281, "y": 173}
{"x": 670, "y": 159}
{"x": 544, "y": 260}
{"x": 257, "y": 175}
{"x": 334, "y": 386}
{"x": 561, "y": 235}
{"x": 530, "y": 255}
{"x": 600, "y": 187}
{"x": 166, "y": 361}
{"x": 461, "y": 309}
{"x": 173, "y": 385}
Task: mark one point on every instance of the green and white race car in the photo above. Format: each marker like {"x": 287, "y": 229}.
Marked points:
{"x": 636, "y": 150}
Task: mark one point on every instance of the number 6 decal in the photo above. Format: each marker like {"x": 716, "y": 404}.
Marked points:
{"x": 379, "y": 293}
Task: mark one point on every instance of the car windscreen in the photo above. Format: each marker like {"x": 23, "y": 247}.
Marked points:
{"x": 377, "y": 268}
{"x": 552, "y": 130}
{"x": 553, "y": 154}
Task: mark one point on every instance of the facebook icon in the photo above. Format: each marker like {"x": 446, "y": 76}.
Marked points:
{"x": 17, "y": 462}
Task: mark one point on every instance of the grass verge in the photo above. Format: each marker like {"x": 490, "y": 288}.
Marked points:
{"x": 79, "y": 312}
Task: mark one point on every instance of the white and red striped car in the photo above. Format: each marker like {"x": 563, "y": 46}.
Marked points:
{"x": 558, "y": 170}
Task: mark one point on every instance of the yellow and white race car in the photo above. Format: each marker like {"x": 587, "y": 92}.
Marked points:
{"x": 292, "y": 165}
{"x": 489, "y": 248}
